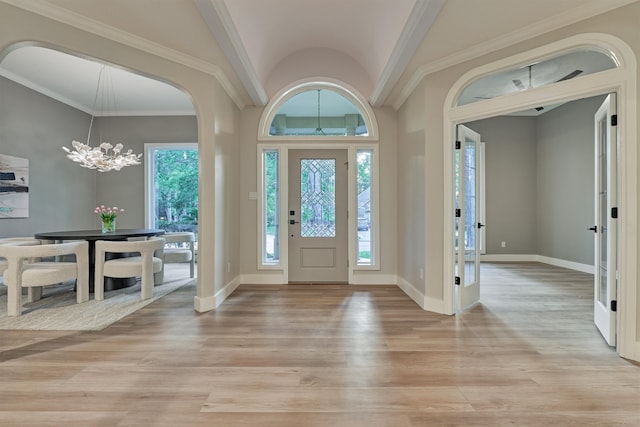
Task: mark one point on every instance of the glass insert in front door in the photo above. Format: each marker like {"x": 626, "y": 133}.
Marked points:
{"x": 318, "y": 197}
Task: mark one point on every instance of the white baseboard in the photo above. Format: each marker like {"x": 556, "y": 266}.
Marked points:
{"x": 413, "y": 293}
{"x": 263, "y": 279}
{"x": 509, "y": 258}
{"x": 202, "y": 305}
{"x": 366, "y": 278}
{"x": 426, "y": 303}
{"x": 224, "y": 293}
{"x": 585, "y": 268}
{"x": 205, "y": 304}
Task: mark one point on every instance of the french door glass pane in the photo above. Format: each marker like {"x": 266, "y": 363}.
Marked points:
{"x": 602, "y": 226}
{"x": 469, "y": 164}
{"x": 317, "y": 197}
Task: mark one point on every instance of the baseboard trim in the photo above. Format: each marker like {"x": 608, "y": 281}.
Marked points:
{"x": 571, "y": 265}
{"x": 424, "y": 302}
{"x": 364, "y": 278}
{"x": 202, "y": 305}
{"x": 263, "y": 279}
{"x": 224, "y": 293}
{"x": 509, "y": 258}
{"x": 584, "y": 268}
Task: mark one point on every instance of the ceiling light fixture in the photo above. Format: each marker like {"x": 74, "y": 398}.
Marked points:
{"x": 104, "y": 157}
{"x": 319, "y": 130}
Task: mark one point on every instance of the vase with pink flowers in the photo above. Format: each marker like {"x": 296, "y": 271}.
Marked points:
{"x": 108, "y": 217}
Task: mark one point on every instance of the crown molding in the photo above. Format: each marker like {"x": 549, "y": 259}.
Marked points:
{"x": 100, "y": 29}
{"x": 558, "y": 21}
{"x": 220, "y": 24}
{"x": 421, "y": 18}
{"x": 45, "y": 91}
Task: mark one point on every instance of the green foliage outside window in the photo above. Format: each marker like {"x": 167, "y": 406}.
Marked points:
{"x": 176, "y": 189}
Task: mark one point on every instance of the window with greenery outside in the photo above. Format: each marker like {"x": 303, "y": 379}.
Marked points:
{"x": 176, "y": 190}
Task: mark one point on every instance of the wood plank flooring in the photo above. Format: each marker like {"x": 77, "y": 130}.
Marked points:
{"x": 329, "y": 355}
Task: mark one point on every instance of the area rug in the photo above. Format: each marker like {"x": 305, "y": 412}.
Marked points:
{"x": 58, "y": 310}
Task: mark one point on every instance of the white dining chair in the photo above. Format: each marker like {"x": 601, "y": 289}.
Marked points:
{"x": 18, "y": 241}
{"x": 148, "y": 265}
{"x": 29, "y": 267}
{"x": 180, "y": 248}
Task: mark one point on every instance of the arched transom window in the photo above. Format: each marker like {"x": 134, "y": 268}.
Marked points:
{"x": 544, "y": 72}
{"x": 317, "y": 110}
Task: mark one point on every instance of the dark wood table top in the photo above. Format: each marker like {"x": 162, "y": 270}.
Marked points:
{"x": 98, "y": 234}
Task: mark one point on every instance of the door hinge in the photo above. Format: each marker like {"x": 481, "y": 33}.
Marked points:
{"x": 614, "y": 120}
{"x": 458, "y": 213}
{"x": 614, "y": 305}
{"x": 457, "y": 280}
{"x": 458, "y": 145}
{"x": 614, "y": 213}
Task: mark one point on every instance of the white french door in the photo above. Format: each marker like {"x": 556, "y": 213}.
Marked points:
{"x": 318, "y": 238}
{"x": 467, "y": 221}
{"x": 605, "y": 229}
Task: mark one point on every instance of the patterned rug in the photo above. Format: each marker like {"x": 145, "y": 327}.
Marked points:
{"x": 58, "y": 310}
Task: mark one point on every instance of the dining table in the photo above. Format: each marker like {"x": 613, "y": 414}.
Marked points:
{"x": 91, "y": 236}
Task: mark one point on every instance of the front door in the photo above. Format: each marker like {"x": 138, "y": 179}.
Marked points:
{"x": 605, "y": 230}
{"x": 467, "y": 218}
{"x": 318, "y": 237}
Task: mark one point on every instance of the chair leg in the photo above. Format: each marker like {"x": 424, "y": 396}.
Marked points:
{"x": 146, "y": 286}
{"x": 82, "y": 291}
{"x": 14, "y": 300}
{"x": 158, "y": 278}
{"x": 98, "y": 288}
{"x": 34, "y": 293}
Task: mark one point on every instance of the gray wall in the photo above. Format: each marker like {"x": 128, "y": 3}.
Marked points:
{"x": 63, "y": 194}
{"x": 566, "y": 181}
{"x": 411, "y": 192}
{"x": 511, "y": 183}
{"x": 540, "y": 182}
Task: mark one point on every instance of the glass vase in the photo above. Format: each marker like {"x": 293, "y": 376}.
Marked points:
{"x": 108, "y": 225}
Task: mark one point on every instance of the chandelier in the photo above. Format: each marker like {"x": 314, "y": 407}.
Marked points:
{"x": 104, "y": 157}
{"x": 319, "y": 130}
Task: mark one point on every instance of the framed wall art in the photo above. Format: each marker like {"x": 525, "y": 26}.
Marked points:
{"x": 14, "y": 187}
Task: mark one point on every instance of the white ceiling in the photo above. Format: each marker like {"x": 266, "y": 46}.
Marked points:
{"x": 376, "y": 46}
{"x": 74, "y": 81}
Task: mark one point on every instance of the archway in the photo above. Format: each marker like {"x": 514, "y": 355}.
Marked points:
{"x": 621, "y": 81}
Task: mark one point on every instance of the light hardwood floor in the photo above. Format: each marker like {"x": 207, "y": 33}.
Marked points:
{"x": 327, "y": 355}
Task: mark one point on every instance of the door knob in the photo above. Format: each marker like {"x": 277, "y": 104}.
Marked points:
{"x": 480, "y": 225}
{"x": 594, "y": 228}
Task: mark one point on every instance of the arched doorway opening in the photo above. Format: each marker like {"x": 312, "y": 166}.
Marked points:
{"x": 622, "y": 82}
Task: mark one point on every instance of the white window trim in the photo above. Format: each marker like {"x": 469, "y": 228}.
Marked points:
{"x": 290, "y": 91}
{"x": 281, "y": 263}
{"x": 149, "y": 172}
{"x": 352, "y": 149}
{"x": 375, "y": 209}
